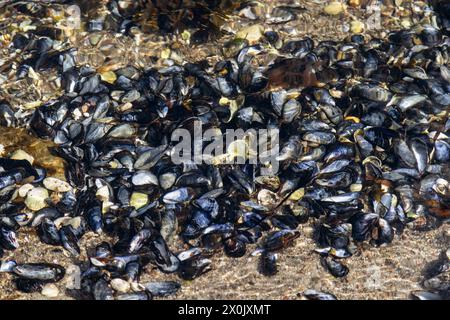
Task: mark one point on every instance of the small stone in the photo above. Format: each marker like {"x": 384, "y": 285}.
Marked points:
{"x": 50, "y": 290}
{"x": 73, "y": 277}
{"x": 35, "y": 199}
{"x": 57, "y": 185}
{"x": 334, "y": 8}
{"x": 252, "y": 33}
{"x": 23, "y": 190}
{"x": 22, "y": 155}
{"x": 356, "y": 26}
{"x": 120, "y": 285}
{"x": 138, "y": 200}
{"x": 108, "y": 76}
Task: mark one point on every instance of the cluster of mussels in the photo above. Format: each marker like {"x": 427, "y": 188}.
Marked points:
{"x": 365, "y": 150}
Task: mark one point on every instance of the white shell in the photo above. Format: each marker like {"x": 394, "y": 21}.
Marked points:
{"x": 143, "y": 178}
{"x": 23, "y": 190}
{"x": 35, "y": 199}
{"x": 50, "y": 290}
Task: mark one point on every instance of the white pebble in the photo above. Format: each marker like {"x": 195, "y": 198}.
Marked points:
{"x": 50, "y": 290}
{"x": 120, "y": 285}
{"x": 73, "y": 277}
{"x": 57, "y": 185}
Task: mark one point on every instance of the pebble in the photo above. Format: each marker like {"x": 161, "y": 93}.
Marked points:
{"x": 22, "y": 155}
{"x": 50, "y": 290}
{"x": 73, "y": 277}
{"x": 57, "y": 185}
{"x": 120, "y": 285}
{"x": 35, "y": 199}
{"x": 334, "y": 8}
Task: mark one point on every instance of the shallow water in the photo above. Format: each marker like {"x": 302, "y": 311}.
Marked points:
{"x": 18, "y": 138}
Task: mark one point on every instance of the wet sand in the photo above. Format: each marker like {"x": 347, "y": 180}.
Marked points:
{"x": 390, "y": 272}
